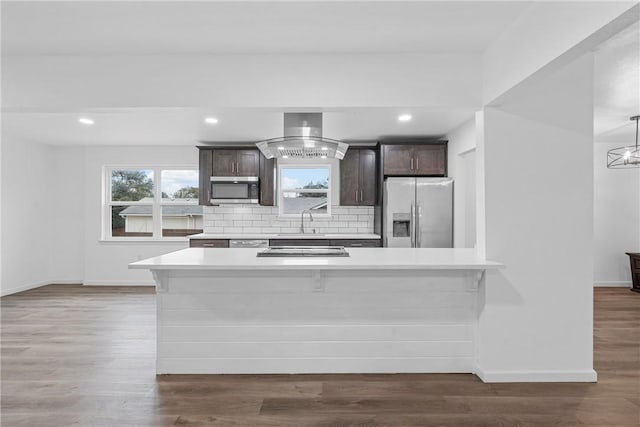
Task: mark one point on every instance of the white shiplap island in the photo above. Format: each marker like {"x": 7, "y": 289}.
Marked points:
{"x": 378, "y": 310}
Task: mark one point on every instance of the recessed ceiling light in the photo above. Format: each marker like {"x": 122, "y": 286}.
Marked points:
{"x": 285, "y": 157}
{"x": 323, "y": 157}
{"x": 86, "y": 121}
{"x": 404, "y": 117}
{"x": 280, "y": 147}
{"x": 324, "y": 148}
{"x": 210, "y": 120}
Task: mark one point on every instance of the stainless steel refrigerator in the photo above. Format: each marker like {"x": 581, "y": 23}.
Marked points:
{"x": 418, "y": 213}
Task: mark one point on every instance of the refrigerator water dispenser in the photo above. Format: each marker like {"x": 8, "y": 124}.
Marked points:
{"x": 401, "y": 224}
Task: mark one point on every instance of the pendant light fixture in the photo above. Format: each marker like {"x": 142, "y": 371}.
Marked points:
{"x": 625, "y": 157}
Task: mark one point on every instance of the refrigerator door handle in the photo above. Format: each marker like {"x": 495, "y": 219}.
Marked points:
{"x": 418, "y": 230}
{"x": 412, "y": 223}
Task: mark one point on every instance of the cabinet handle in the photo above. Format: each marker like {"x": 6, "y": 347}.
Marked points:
{"x": 232, "y": 167}
{"x": 356, "y": 245}
{"x": 356, "y": 195}
{"x": 237, "y": 168}
{"x": 417, "y": 167}
{"x": 361, "y": 198}
{"x": 412, "y": 163}
{"x": 208, "y": 245}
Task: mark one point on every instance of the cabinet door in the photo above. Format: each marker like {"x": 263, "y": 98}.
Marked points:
{"x": 367, "y": 177}
{"x": 299, "y": 242}
{"x": 267, "y": 169}
{"x": 357, "y": 243}
{"x": 208, "y": 243}
{"x": 349, "y": 177}
{"x": 398, "y": 160}
{"x": 223, "y": 163}
{"x": 247, "y": 162}
{"x": 430, "y": 160}
{"x": 205, "y": 175}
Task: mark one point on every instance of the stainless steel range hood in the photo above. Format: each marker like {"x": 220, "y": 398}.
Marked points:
{"x": 303, "y": 139}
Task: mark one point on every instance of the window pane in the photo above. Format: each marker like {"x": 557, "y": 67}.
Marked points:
{"x": 294, "y": 202}
{"x": 132, "y": 185}
{"x": 180, "y": 185}
{"x": 299, "y": 178}
{"x": 132, "y": 221}
{"x": 181, "y": 220}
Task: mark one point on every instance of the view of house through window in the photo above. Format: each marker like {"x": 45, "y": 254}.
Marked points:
{"x": 137, "y": 209}
{"x": 305, "y": 188}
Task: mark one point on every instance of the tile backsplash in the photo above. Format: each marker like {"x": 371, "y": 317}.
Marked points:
{"x": 251, "y": 219}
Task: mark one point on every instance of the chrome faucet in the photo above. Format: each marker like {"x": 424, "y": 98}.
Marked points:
{"x": 302, "y": 219}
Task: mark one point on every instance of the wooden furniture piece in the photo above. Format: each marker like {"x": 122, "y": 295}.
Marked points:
{"x": 348, "y": 243}
{"x": 244, "y": 161}
{"x": 208, "y": 243}
{"x": 267, "y": 181}
{"x": 634, "y": 260}
{"x": 358, "y": 177}
{"x": 231, "y": 162}
{"x": 415, "y": 159}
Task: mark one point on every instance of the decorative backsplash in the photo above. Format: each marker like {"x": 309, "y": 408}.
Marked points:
{"x": 251, "y": 219}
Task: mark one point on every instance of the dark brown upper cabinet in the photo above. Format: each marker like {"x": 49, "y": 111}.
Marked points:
{"x": 235, "y": 162}
{"x": 358, "y": 177}
{"x": 245, "y": 162}
{"x": 205, "y": 176}
{"x": 267, "y": 181}
{"x": 415, "y": 159}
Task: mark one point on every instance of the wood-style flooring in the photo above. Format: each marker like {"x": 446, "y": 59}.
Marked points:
{"x": 84, "y": 356}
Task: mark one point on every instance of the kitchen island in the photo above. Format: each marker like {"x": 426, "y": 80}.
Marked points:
{"x": 380, "y": 310}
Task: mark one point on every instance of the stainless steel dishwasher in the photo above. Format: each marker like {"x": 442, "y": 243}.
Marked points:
{"x": 248, "y": 243}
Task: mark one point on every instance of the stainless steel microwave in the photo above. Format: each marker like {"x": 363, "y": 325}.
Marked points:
{"x": 234, "y": 189}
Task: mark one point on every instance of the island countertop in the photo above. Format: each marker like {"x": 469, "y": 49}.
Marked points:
{"x": 359, "y": 259}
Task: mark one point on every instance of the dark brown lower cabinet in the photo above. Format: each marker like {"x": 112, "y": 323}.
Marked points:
{"x": 347, "y": 243}
{"x": 361, "y": 243}
{"x": 208, "y": 243}
{"x": 299, "y": 242}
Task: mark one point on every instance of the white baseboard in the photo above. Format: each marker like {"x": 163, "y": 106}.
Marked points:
{"x": 586, "y": 376}
{"x": 23, "y": 288}
{"x": 614, "y": 284}
{"x": 117, "y": 283}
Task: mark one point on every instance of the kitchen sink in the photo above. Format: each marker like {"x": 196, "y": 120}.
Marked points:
{"x": 304, "y": 251}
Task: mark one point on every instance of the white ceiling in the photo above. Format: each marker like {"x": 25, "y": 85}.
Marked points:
{"x": 182, "y": 126}
{"x": 240, "y": 27}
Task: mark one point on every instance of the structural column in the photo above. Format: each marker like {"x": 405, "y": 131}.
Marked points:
{"x": 535, "y": 154}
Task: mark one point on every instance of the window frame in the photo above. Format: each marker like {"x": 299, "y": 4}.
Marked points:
{"x": 156, "y": 205}
{"x": 304, "y": 166}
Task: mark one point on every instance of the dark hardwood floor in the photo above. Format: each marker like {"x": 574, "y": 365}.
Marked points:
{"x": 84, "y": 356}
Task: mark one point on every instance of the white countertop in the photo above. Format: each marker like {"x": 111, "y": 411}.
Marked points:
{"x": 259, "y": 236}
{"x": 359, "y": 259}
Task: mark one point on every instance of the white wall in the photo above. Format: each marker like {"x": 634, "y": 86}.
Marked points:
{"x": 106, "y": 262}
{"x": 461, "y": 167}
{"x": 67, "y": 184}
{"x": 27, "y": 212}
{"x": 536, "y": 323}
{"x": 257, "y": 81}
{"x": 616, "y": 218}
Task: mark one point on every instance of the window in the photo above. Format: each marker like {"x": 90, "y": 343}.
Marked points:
{"x": 304, "y": 188}
{"x": 151, "y": 203}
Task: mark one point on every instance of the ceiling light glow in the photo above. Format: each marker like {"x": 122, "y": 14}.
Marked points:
{"x": 404, "y": 117}
{"x": 86, "y": 121}
{"x": 210, "y": 120}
